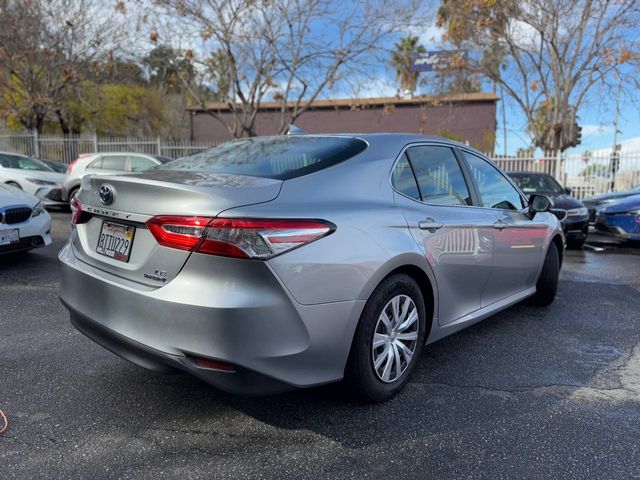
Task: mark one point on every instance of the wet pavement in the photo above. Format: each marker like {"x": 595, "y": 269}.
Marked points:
{"x": 528, "y": 393}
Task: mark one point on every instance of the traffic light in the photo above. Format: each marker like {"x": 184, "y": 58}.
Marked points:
{"x": 575, "y": 135}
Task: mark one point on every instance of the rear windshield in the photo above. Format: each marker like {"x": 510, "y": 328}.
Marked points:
{"x": 281, "y": 158}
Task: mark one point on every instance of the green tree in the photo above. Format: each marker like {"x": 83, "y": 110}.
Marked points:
{"x": 402, "y": 60}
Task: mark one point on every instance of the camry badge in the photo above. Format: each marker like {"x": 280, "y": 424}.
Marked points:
{"x": 106, "y": 194}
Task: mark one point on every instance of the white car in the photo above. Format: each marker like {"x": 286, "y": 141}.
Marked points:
{"x": 24, "y": 222}
{"x": 32, "y": 176}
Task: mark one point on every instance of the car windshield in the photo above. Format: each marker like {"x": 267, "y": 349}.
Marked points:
{"x": 22, "y": 163}
{"x": 163, "y": 159}
{"x": 538, "y": 183}
{"x": 280, "y": 158}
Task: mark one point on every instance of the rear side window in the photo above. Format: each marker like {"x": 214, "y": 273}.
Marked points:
{"x": 439, "y": 176}
{"x": 403, "y": 179}
{"x": 280, "y": 158}
{"x": 114, "y": 162}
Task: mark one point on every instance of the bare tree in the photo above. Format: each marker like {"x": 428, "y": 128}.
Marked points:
{"x": 287, "y": 51}
{"x": 548, "y": 55}
{"x": 44, "y": 46}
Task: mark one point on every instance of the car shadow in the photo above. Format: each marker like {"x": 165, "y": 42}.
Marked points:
{"x": 512, "y": 364}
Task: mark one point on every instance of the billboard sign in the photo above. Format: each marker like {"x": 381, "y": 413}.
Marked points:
{"x": 436, "y": 61}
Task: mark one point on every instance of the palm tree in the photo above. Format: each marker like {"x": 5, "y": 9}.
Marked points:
{"x": 401, "y": 60}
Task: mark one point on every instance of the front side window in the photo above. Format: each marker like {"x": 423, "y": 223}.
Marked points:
{"x": 139, "y": 164}
{"x": 439, "y": 176}
{"x": 495, "y": 190}
{"x": 280, "y": 158}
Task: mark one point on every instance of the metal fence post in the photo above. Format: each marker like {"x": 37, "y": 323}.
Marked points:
{"x": 36, "y": 146}
{"x": 95, "y": 142}
{"x": 159, "y": 146}
{"x": 557, "y": 167}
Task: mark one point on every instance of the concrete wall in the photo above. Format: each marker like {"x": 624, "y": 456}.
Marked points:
{"x": 474, "y": 122}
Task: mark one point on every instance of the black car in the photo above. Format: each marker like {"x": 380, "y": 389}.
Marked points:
{"x": 598, "y": 201}
{"x": 576, "y": 222}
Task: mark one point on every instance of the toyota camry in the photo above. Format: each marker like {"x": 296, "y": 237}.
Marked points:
{"x": 273, "y": 263}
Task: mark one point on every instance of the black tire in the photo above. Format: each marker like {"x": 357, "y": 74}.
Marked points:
{"x": 73, "y": 192}
{"x": 15, "y": 185}
{"x": 547, "y": 284}
{"x": 576, "y": 244}
{"x": 361, "y": 379}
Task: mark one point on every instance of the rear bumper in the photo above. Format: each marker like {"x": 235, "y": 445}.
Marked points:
{"x": 210, "y": 311}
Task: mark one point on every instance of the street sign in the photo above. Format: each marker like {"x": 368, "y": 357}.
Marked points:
{"x": 436, "y": 61}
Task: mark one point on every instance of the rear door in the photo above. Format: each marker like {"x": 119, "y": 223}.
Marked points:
{"x": 455, "y": 236}
{"x": 518, "y": 240}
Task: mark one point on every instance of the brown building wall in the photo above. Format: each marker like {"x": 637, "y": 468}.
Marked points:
{"x": 474, "y": 122}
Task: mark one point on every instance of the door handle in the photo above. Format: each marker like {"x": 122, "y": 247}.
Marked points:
{"x": 500, "y": 225}
{"x": 430, "y": 225}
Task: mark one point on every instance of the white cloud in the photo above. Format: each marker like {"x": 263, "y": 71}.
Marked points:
{"x": 596, "y": 130}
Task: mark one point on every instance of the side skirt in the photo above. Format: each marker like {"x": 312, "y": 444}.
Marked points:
{"x": 478, "y": 315}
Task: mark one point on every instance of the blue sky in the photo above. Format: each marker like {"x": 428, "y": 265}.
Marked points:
{"x": 596, "y": 115}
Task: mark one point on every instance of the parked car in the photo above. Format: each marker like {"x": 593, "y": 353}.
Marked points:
{"x": 596, "y": 202}
{"x": 55, "y": 165}
{"x": 106, "y": 163}
{"x": 576, "y": 222}
{"x": 621, "y": 219}
{"x": 32, "y": 176}
{"x": 24, "y": 222}
{"x": 272, "y": 263}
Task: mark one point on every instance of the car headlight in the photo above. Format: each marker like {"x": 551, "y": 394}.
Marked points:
{"x": 37, "y": 210}
{"x": 578, "y": 212}
{"x": 40, "y": 182}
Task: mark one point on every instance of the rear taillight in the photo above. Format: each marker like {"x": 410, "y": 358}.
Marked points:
{"x": 237, "y": 237}
{"x": 78, "y": 215}
{"x": 71, "y": 165}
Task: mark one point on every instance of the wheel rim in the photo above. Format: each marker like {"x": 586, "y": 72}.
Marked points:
{"x": 395, "y": 338}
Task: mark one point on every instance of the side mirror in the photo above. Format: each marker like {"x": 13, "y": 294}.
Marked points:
{"x": 539, "y": 204}
{"x": 568, "y": 190}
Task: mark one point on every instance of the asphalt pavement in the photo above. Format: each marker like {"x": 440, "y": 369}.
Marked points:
{"x": 529, "y": 393}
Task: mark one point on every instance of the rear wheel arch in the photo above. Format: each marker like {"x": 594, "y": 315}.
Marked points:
{"x": 424, "y": 279}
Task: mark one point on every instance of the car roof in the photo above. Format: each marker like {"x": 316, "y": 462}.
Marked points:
{"x": 399, "y": 139}
{"x": 530, "y": 173}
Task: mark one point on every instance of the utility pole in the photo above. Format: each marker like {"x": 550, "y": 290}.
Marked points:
{"x": 504, "y": 119}
{"x": 615, "y": 154}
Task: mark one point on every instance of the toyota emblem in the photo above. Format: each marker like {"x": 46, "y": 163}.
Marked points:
{"x": 106, "y": 194}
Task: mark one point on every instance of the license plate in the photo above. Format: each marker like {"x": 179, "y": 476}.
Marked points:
{"x": 9, "y": 237}
{"x": 115, "y": 241}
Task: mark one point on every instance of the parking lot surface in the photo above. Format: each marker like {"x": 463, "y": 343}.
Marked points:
{"x": 529, "y": 393}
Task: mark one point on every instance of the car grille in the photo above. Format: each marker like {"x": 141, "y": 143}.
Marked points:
{"x": 16, "y": 215}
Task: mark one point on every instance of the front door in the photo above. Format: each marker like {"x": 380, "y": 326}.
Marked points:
{"x": 455, "y": 237}
{"x": 518, "y": 240}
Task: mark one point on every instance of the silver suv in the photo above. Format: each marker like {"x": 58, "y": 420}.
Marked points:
{"x": 106, "y": 163}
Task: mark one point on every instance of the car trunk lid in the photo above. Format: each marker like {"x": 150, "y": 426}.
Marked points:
{"x": 135, "y": 198}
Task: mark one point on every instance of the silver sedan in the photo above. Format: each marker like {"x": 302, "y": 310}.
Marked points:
{"x": 273, "y": 263}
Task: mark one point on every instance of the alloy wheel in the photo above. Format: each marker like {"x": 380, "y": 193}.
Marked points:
{"x": 395, "y": 338}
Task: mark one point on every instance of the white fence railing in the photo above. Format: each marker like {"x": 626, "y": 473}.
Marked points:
{"x": 585, "y": 174}
{"x": 68, "y": 148}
